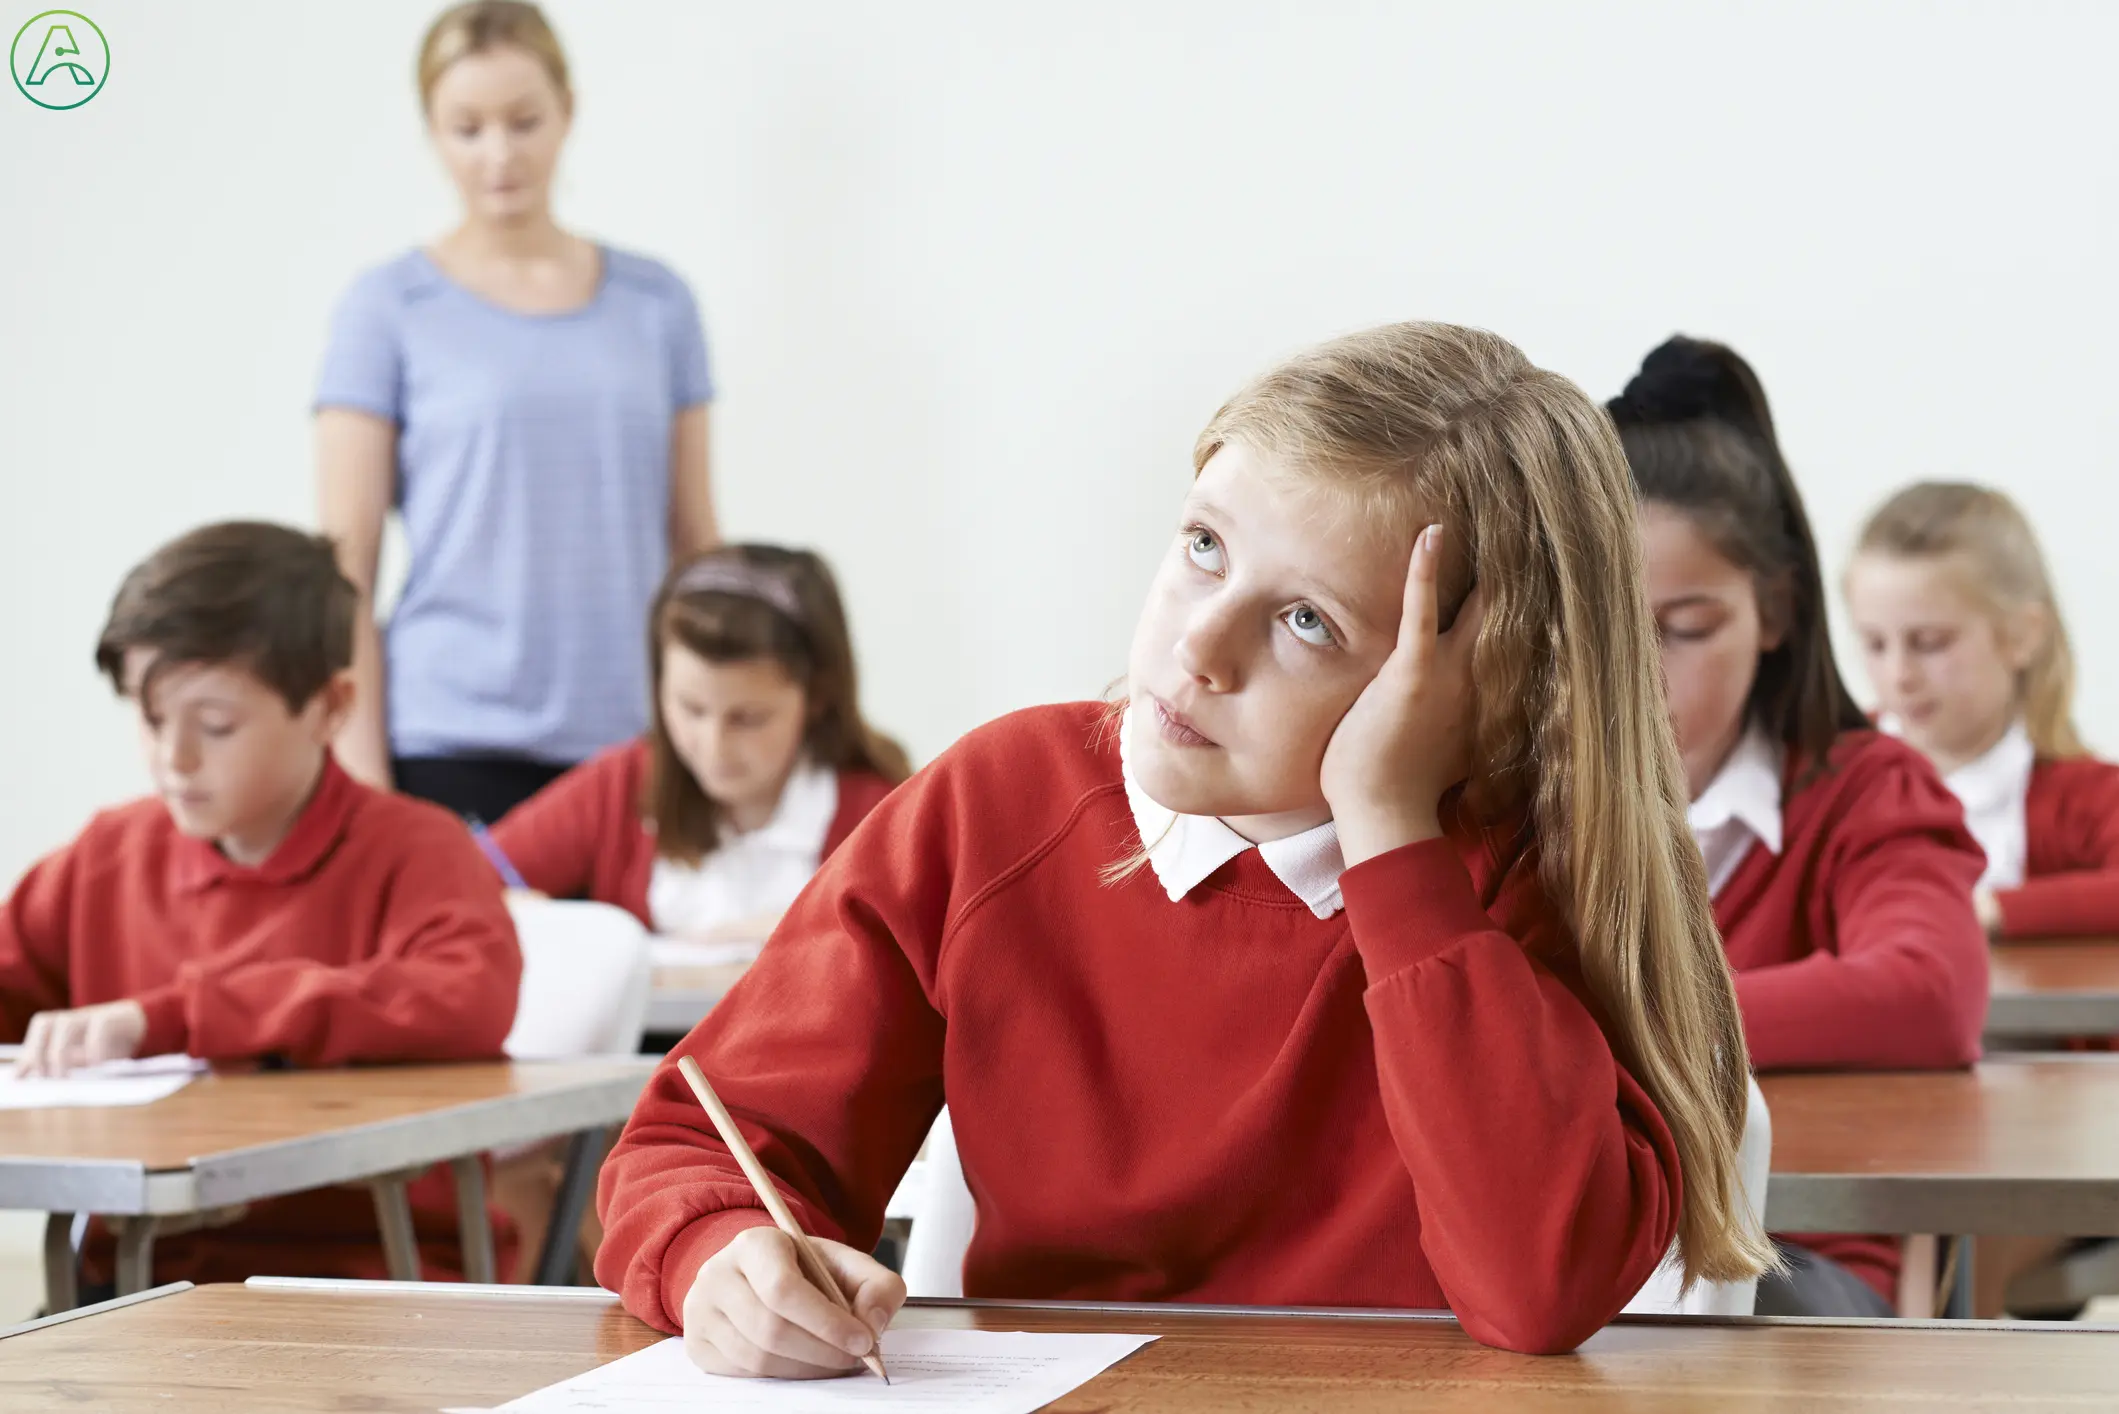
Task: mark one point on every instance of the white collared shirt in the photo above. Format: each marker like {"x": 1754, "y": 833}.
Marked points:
{"x": 1993, "y": 789}
{"x": 1185, "y": 849}
{"x": 1740, "y": 807}
{"x": 753, "y": 873}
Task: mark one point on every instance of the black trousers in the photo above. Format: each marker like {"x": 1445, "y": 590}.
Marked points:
{"x": 1815, "y": 1285}
{"x": 480, "y": 788}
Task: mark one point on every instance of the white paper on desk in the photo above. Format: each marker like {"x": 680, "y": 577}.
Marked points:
{"x": 689, "y": 952}
{"x": 931, "y": 1372}
{"x": 107, "y": 1086}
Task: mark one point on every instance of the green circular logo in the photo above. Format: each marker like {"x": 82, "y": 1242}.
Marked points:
{"x": 59, "y": 59}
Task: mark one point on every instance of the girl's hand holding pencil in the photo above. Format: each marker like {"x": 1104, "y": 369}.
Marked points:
{"x": 776, "y": 1302}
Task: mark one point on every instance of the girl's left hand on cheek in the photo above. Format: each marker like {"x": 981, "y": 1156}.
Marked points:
{"x": 1407, "y": 738}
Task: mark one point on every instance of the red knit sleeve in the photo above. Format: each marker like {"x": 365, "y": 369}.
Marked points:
{"x": 1901, "y": 982}
{"x": 828, "y": 1053}
{"x": 1547, "y": 1183}
{"x": 33, "y": 942}
{"x": 2071, "y": 888}
{"x": 557, "y": 838}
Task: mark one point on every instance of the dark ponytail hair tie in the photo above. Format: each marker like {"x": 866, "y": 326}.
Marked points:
{"x": 1685, "y": 378}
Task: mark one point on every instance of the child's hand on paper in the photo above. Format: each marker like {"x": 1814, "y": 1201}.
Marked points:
{"x": 751, "y": 1312}
{"x": 62, "y": 1041}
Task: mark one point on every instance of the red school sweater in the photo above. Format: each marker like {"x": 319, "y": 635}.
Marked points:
{"x": 1856, "y": 947}
{"x": 583, "y": 836}
{"x": 1224, "y": 1099}
{"x": 375, "y": 932}
{"x": 2071, "y": 867}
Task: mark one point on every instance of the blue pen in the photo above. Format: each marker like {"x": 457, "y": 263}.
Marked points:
{"x": 508, "y": 873}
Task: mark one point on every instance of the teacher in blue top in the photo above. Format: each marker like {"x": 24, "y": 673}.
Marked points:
{"x": 535, "y": 406}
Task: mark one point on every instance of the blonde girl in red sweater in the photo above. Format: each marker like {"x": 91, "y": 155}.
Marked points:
{"x": 1358, "y": 958}
{"x": 1963, "y": 641}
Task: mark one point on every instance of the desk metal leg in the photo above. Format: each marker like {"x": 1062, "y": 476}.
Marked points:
{"x": 393, "y": 1214}
{"x": 1959, "y": 1306}
{"x": 136, "y": 1254}
{"x": 562, "y": 1239}
{"x": 61, "y": 1285}
{"x": 474, "y": 1225}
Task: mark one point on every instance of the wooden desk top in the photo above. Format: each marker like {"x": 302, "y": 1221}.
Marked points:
{"x": 2053, "y": 989}
{"x": 217, "y": 1349}
{"x": 236, "y": 1137}
{"x": 2019, "y": 1144}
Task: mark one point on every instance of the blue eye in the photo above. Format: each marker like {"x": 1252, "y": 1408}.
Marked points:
{"x": 1309, "y": 626}
{"x": 1204, "y": 550}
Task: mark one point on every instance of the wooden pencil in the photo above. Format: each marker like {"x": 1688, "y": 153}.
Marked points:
{"x": 806, "y": 1255}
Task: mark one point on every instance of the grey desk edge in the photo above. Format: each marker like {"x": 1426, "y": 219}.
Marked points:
{"x": 319, "y": 1160}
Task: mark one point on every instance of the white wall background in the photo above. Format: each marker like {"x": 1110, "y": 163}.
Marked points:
{"x": 974, "y": 274}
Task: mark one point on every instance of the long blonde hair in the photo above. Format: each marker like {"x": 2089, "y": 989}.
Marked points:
{"x": 1526, "y": 472}
{"x": 1988, "y": 536}
{"x": 464, "y": 30}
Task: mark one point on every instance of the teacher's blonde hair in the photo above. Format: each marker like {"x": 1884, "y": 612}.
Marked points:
{"x": 483, "y": 25}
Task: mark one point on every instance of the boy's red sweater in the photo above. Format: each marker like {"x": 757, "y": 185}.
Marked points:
{"x": 375, "y": 932}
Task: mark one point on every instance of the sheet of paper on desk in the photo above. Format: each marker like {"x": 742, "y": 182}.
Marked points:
{"x": 112, "y": 1084}
{"x": 931, "y": 1372}
{"x": 686, "y": 952}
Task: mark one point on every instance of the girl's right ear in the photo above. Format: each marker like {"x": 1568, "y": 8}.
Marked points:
{"x": 2025, "y": 631}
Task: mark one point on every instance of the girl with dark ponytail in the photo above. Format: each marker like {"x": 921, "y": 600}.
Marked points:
{"x": 1839, "y": 863}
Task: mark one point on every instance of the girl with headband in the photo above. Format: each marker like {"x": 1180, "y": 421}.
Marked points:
{"x": 756, "y": 765}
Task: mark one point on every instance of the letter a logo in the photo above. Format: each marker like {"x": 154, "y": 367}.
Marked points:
{"x": 59, "y": 59}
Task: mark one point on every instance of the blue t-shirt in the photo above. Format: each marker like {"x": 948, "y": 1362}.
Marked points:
{"x": 533, "y": 475}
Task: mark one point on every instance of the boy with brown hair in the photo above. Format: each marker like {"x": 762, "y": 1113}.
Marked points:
{"x": 262, "y": 904}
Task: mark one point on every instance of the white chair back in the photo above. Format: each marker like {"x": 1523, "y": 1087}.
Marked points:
{"x": 1754, "y": 1160}
{"x": 936, "y": 1198}
{"x": 584, "y": 980}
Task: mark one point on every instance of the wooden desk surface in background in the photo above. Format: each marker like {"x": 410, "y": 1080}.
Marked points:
{"x": 2017, "y": 1144}
{"x": 219, "y": 1349}
{"x": 2054, "y": 989}
{"x": 244, "y": 1136}
{"x": 2039, "y": 990}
